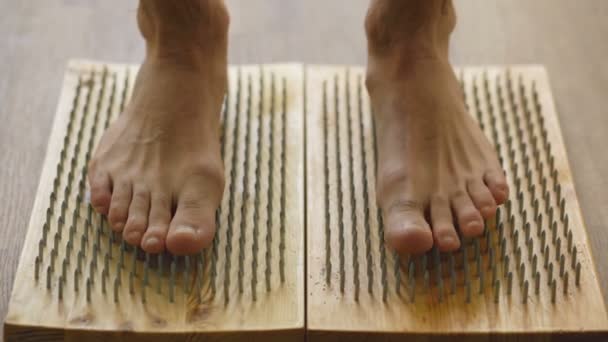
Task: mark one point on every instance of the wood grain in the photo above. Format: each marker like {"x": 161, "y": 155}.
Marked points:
{"x": 356, "y": 284}
{"x": 250, "y": 280}
{"x": 40, "y": 36}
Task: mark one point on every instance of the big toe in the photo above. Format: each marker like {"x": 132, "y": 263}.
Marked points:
{"x": 407, "y": 232}
{"x": 497, "y": 183}
{"x": 482, "y": 198}
{"x": 193, "y": 225}
{"x": 191, "y": 231}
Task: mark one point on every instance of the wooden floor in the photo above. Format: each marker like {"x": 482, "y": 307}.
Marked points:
{"x": 38, "y": 37}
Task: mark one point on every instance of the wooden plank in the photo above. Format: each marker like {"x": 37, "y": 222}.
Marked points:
{"x": 357, "y": 289}
{"x": 501, "y": 31}
{"x": 249, "y": 283}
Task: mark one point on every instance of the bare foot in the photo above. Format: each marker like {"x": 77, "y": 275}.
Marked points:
{"x": 157, "y": 172}
{"x": 436, "y": 169}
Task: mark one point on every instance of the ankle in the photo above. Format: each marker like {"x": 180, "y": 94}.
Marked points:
{"x": 191, "y": 32}
{"x": 409, "y": 29}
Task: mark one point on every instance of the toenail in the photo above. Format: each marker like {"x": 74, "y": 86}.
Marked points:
{"x": 184, "y": 229}
{"x": 151, "y": 242}
{"x": 474, "y": 225}
{"x": 448, "y": 240}
{"x": 133, "y": 236}
{"x": 488, "y": 209}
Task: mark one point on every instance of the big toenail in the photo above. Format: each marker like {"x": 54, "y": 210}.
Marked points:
{"x": 151, "y": 242}
{"x": 184, "y": 229}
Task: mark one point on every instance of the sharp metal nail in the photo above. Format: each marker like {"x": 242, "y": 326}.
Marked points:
{"x": 186, "y": 272}
{"x": 574, "y": 256}
{"x": 440, "y": 289}
{"x": 525, "y": 292}
{"x": 104, "y": 274}
{"x": 481, "y": 280}
{"x": 160, "y": 272}
{"x": 88, "y": 291}
{"x": 550, "y": 273}
{"x": 501, "y": 231}
{"x": 566, "y": 276}
{"x": 558, "y": 248}
{"x": 172, "y": 281}
{"x": 562, "y": 261}
{"x": 131, "y": 286}
{"x": 134, "y": 262}
{"x": 146, "y": 266}
{"x": 143, "y": 294}
{"x": 48, "y": 277}
{"x": 76, "y": 274}
{"x": 537, "y": 282}
{"x": 496, "y": 291}
{"x": 553, "y": 290}
{"x": 543, "y": 240}
{"x": 518, "y": 255}
{"x": 64, "y": 268}
{"x": 60, "y": 288}
{"x": 116, "y": 284}
{"x": 121, "y": 259}
{"x": 452, "y": 274}
{"x": 465, "y": 260}
{"x": 578, "y": 274}
{"x": 509, "y": 283}
{"x": 36, "y": 267}
{"x": 413, "y": 291}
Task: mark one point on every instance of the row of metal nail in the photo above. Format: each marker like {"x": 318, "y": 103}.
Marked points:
{"x": 233, "y": 125}
{"x": 336, "y": 117}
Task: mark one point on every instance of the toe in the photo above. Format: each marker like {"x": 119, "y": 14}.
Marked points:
{"x": 406, "y": 230}
{"x": 101, "y": 192}
{"x": 468, "y": 217}
{"x": 158, "y": 223}
{"x": 119, "y": 205}
{"x": 193, "y": 225}
{"x": 482, "y": 198}
{"x": 444, "y": 233}
{"x": 497, "y": 183}
{"x": 139, "y": 211}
